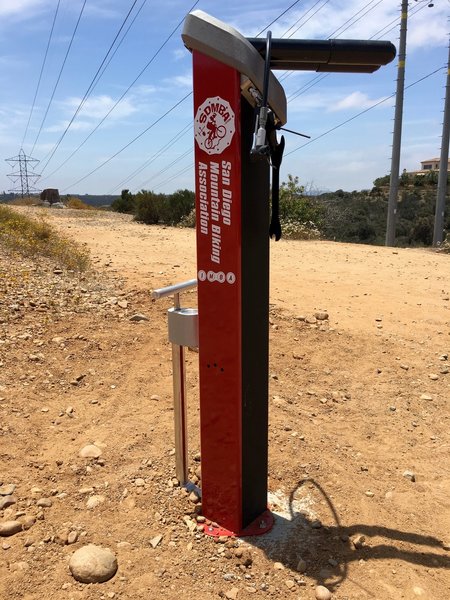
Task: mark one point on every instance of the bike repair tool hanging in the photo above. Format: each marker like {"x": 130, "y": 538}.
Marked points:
{"x": 260, "y": 148}
{"x": 276, "y": 155}
{"x": 266, "y": 145}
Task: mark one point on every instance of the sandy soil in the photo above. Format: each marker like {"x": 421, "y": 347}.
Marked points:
{"x": 356, "y": 401}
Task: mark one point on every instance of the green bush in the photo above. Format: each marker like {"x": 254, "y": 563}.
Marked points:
{"x": 297, "y": 208}
{"x": 124, "y": 204}
{"x": 152, "y": 208}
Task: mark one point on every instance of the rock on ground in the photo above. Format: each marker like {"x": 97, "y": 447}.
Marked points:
{"x": 93, "y": 564}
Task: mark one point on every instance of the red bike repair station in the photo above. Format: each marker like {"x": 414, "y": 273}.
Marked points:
{"x": 239, "y": 106}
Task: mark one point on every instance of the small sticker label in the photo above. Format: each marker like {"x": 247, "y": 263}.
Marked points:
{"x": 214, "y": 125}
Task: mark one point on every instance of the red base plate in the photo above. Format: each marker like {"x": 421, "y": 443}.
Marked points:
{"x": 260, "y": 525}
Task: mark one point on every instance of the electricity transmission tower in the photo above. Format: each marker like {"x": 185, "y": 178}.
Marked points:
{"x": 23, "y": 171}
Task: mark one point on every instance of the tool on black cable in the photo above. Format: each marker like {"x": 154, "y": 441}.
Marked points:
{"x": 260, "y": 148}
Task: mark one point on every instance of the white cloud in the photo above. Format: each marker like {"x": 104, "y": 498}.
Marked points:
{"x": 353, "y": 19}
{"x": 331, "y": 101}
{"x": 96, "y": 107}
{"x": 180, "y": 53}
{"x": 10, "y": 8}
{"x": 356, "y": 100}
{"x": 182, "y": 80}
{"x": 62, "y": 125}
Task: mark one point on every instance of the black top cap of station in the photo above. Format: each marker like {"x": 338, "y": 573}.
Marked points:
{"x": 343, "y": 56}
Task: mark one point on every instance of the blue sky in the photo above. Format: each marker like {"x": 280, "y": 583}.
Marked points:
{"x": 348, "y": 158}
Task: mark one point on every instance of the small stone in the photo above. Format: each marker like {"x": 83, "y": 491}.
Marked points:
{"x": 139, "y": 482}
{"x": 446, "y": 545}
{"x": 139, "y": 317}
{"x": 369, "y": 494}
{"x": 7, "y": 490}
{"x": 290, "y": 584}
{"x": 409, "y": 475}
{"x": 194, "y": 497}
{"x": 316, "y": 524}
{"x": 418, "y": 591}
{"x": 6, "y": 501}
{"x": 426, "y": 397}
{"x": 404, "y": 367}
{"x": 155, "y": 397}
{"x": 433, "y": 376}
{"x": 62, "y": 536}
{"x": 27, "y": 522}
{"x": 122, "y": 304}
{"x": 278, "y": 566}
{"x": 301, "y": 566}
{"x": 154, "y": 542}
{"x": 358, "y": 541}
{"x": 90, "y": 451}
{"x": 93, "y": 564}
{"x": 311, "y": 320}
{"x": 321, "y": 315}
{"x": 21, "y": 565}
{"x": 8, "y": 528}
{"x": 72, "y": 537}
{"x": 44, "y": 502}
{"x": 232, "y": 594}
{"x": 95, "y": 501}
{"x": 322, "y": 593}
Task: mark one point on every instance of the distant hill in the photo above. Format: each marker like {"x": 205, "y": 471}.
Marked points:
{"x": 91, "y": 199}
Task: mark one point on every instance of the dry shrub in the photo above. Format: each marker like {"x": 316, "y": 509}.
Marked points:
{"x": 444, "y": 246}
{"x": 26, "y": 201}
{"x": 77, "y": 204}
{"x": 36, "y": 237}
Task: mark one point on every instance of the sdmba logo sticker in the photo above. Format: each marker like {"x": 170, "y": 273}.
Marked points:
{"x": 214, "y": 125}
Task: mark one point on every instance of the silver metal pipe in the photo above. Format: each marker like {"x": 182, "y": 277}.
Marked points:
{"x": 174, "y": 289}
{"x": 180, "y": 414}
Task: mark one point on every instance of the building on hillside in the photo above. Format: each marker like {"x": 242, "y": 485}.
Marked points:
{"x": 432, "y": 164}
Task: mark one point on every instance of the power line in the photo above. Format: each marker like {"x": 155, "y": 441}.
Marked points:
{"x": 170, "y": 179}
{"x": 318, "y": 78}
{"x": 88, "y": 91}
{"x": 42, "y": 70}
{"x": 181, "y": 157}
{"x": 350, "y": 20}
{"x": 59, "y": 75}
{"x": 361, "y": 113}
{"x": 166, "y": 168}
{"x": 154, "y": 156}
{"x": 132, "y": 141}
{"x": 122, "y": 96}
{"x": 279, "y": 17}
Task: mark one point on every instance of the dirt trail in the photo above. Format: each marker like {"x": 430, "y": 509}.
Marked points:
{"x": 357, "y": 402}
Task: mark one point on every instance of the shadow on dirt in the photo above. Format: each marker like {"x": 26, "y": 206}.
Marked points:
{"x": 328, "y": 550}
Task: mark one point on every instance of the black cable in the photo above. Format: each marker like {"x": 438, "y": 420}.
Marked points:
{"x": 152, "y": 158}
{"x": 279, "y": 17}
{"x": 59, "y": 75}
{"x": 122, "y": 96}
{"x": 301, "y": 17}
{"x": 318, "y": 78}
{"x": 132, "y": 141}
{"x": 42, "y": 70}
{"x": 177, "y": 174}
{"x": 120, "y": 42}
{"x": 167, "y": 167}
{"x": 88, "y": 91}
{"x": 350, "y": 20}
{"x": 362, "y": 112}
